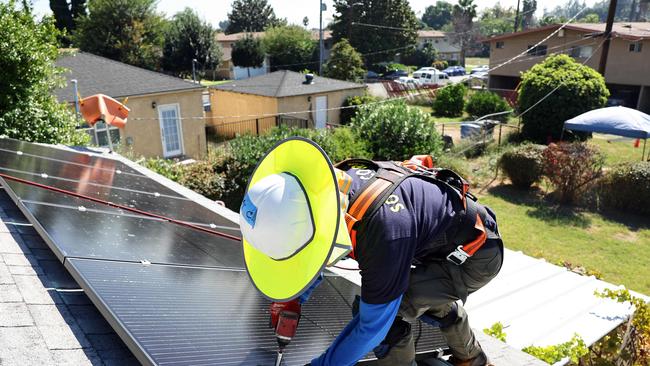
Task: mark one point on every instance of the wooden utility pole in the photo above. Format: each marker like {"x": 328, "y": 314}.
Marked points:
{"x": 608, "y": 33}
{"x": 517, "y": 17}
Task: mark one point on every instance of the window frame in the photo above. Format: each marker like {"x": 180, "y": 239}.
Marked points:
{"x": 499, "y": 45}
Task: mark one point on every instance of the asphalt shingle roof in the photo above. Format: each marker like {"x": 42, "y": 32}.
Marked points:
{"x": 96, "y": 74}
{"x": 286, "y": 84}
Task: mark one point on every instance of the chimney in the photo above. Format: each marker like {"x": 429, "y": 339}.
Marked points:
{"x": 309, "y": 79}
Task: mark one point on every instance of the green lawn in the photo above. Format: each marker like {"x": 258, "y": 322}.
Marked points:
{"x": 616, "y": 149}
{"x": 472, "y": 62}
{"x": 614, "y": 246}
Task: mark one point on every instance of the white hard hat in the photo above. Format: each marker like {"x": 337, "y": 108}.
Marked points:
{"x": 275, "y": 216}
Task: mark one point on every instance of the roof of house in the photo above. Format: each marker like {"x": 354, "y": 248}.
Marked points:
{"x": 627, "y": 30}
{"x": 286, "y": 83}
{"x": 431, "y": 34}
{"x": 233, "y": 37}
{"x": 96, "y": 74}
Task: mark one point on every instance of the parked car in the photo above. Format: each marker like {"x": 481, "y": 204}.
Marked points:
{"x": 454, "y": 70}
{"x": 431, "y": 77}
{"x": 372, "y": 76}
{"x": 394, "y": 74}
{"x": 408, "y": 81}
{"x": 426, "y": 69}
{"x": 484, "y": 68}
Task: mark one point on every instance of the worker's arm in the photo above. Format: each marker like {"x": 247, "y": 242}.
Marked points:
{"x": 366, "y": 330}
{"x": 305, "y": 295}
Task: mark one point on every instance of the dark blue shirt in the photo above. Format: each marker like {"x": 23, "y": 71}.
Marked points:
{"x": 405, "y": 225}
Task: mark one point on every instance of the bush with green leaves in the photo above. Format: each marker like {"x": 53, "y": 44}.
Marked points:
{"x": 440, "y": 65}
{"x": 627, "y": 187}
{"x": 483, "y": 103}
{"x": 571, "y": 167}
{"x": 496, "y": 331}
{"x": 344, "y": 63}
{"x": 290, "y": 46}
{"x": 523, "y": 165}
{"x": 573, "y": 349}
{"x": 565, "y": 88}
{"x": 355, "y": 100}
{"x": 28, "y": 110}
{"x": 450, "y": 100}
{"x": 395, "y": 131}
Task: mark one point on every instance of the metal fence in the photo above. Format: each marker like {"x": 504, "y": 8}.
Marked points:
{"x": 256, "y": 126}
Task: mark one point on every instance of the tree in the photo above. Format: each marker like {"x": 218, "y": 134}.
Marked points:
{"x": 129, "y": 31}
{"x": 289, "y": 47}
{"x": 28, "y": 110}
{"x": 251, "y": 16}
{"x": 189, "y": 38}
{"x": 496, "y": 20}
{"x": 528, "y": 14}
{"x": 223, "y": 25}
{"x": 463, "y": 19}
{"x": 589, "y": 18}
{"x": 248, "y": 52}
{"x": 358, "y": 20}
{"x": 565, "y": 88}
{"x": 305, "y": 21}
{"x": 436, "y": 16}
{"x": 66, "y": 14}
{"x": 422, "y": 57}
{"x": 345, "y": 63}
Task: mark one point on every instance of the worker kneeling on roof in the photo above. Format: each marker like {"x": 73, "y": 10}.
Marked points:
{"x": 421, "y": 240}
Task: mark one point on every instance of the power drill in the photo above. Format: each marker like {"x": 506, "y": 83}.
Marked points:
{"x": 285, "y": 317}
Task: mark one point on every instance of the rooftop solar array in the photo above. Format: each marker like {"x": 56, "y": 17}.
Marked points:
{"x": 175, "y": 295}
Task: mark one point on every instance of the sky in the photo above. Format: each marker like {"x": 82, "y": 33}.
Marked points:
{"x": 215, "y": 11}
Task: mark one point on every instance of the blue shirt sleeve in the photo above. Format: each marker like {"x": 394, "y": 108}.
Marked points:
{"x": 305, "y": 295}
{"x": 364, "y": 332}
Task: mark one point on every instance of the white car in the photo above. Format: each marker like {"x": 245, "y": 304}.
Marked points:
{"x": 426, "y": 69}
{"x": 484, "y": 68}
{"x": 431, "y": 77}
{"x": 408, "y": 81}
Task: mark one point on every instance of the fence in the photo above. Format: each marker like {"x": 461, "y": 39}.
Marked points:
{"x": 410, "y": 91}
{"x": 257, "y": 126}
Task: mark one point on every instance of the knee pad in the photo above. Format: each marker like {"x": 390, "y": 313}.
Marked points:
{"x": 442, "y": 322}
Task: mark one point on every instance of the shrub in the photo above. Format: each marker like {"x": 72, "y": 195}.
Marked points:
{"x": 496, "y": 331}
{"x": 574, "y": 349}
{"x": 396, "y": 66}
{"x": 355, "y": 100}
{"x": 627, "y": 187}
{"x": 579, "y": 89}
{"x": 484, "y": 103}
{"x": 165, "y": 167}
{"x": 523, "y": 165}
{"x": 450, "y": 100}
{"x": 440, "y": 65}
{"x": 201, "y": 177}
{"x": 570, "y": 167}
{"x": 395, "y": 131}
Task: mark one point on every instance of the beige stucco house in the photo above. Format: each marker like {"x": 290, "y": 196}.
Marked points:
{"x": 628, "y": 67}
{"x": 442, "y": 42}
{"x": 167, "y": 113}
{"x": 256, "y": 104}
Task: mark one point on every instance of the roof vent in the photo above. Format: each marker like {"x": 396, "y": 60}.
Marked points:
{"x": 309, "y": 79}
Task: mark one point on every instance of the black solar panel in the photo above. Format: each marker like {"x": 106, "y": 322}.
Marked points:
{"x": 176, "y": 296}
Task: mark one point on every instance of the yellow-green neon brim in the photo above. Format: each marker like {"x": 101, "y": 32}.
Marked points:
{"x": 281, "y": 280}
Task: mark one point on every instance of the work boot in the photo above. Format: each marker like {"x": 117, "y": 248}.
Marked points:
{"x": 480, "y": 360}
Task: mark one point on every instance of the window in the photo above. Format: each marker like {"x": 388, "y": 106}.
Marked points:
{"x": 581, "y": 51}
{"x": 436, "y": 41}
{"x": 206, "y": 102}
{"x": 499, "y": 44}
{"x": 537, "y": 51}
{"x": 100, "y": 133}
{"x": 636, "y": 47}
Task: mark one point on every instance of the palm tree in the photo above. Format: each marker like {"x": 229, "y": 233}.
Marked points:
{"x": 463, "y": 18}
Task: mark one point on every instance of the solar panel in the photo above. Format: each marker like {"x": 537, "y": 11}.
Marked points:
{"x": 175, "y": 295}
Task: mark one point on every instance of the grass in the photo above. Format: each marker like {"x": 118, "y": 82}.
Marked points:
{"x": 613, "y": 245}
{"x": 213, "y": 82}
{"x": 616, "y": 149}
{"x": 472, "y": 62}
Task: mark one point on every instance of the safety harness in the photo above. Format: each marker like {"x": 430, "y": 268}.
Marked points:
{"x": 465, "y": 235}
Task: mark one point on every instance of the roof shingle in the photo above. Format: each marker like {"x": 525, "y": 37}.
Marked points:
{"x": 96, "y": 74}
{"x": 286, "y": 84}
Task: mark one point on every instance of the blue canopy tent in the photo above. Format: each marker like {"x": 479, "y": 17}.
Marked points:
{"x": 620, "y": 121}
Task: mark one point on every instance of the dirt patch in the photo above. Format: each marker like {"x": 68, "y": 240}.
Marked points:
{"x": 628, "y": 236}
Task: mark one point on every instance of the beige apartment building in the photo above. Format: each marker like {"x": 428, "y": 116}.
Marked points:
{"x": 442, "y": 42}
{"x": 628, "y": 66}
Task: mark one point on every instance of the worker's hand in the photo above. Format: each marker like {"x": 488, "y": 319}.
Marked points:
{"x": 278, "y": 307}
